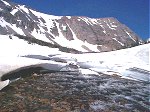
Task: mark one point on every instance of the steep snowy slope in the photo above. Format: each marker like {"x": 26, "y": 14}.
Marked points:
{"x": 101, "y": 34}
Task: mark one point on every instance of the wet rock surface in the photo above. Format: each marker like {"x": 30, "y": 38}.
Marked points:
{"x": 75, "y": 92}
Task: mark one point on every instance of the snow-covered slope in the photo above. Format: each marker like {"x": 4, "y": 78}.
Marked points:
{"x": 89, "y": 33}
{"x": 16, "y": 54}
{"x": 133, "y": 63}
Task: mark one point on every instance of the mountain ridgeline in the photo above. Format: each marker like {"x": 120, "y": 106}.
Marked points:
{"x": 75, "y": 32}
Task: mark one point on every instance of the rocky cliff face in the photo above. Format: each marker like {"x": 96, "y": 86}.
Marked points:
{"x": 80, "y": 33}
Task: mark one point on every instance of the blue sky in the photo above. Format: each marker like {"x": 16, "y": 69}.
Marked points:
{"x": 133, "y": 13}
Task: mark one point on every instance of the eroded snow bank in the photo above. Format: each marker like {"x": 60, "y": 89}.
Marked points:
{"x": 132, "y": 63}
{"x": 14, "y": 55}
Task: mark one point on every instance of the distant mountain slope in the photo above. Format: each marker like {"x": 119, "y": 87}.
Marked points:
{"x": 81, "y": 33}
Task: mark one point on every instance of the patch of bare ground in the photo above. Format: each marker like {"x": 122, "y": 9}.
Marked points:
{"x": 74, "y": 92}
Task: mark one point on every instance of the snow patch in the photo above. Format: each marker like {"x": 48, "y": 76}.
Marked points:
{"x": 130, "y": 35}
{"x": 4, "y": 84}
{"x": 1, "y": 9}
{"x": 109, "y": 25}
{"x": 40, "y": 35}
{"x": 24, "y": 8}
{"x": 103, "y": 29}
{"x": 87, "y": 71}
{"x": 6, "y": 3}
{"x": 69, "y": 17}
{"x": 14, "y": 11}
{"x": 79, "y": 19}
{"x": 64, "y": 27}
{"x": 118, "y": 41}
{"x": 5, "y": 24}
{"x": 95, "y": 21}
{"x": 45, "y": 16}
{"x": 86, "y": 20}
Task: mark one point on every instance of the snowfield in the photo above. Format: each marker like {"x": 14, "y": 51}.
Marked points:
{"x": 132, "y": 63}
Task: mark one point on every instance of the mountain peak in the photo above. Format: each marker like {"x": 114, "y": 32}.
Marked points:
{"x": 91, "y": 34}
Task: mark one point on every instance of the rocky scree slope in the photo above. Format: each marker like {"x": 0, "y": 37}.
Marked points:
{"x": 91, "y": 35}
